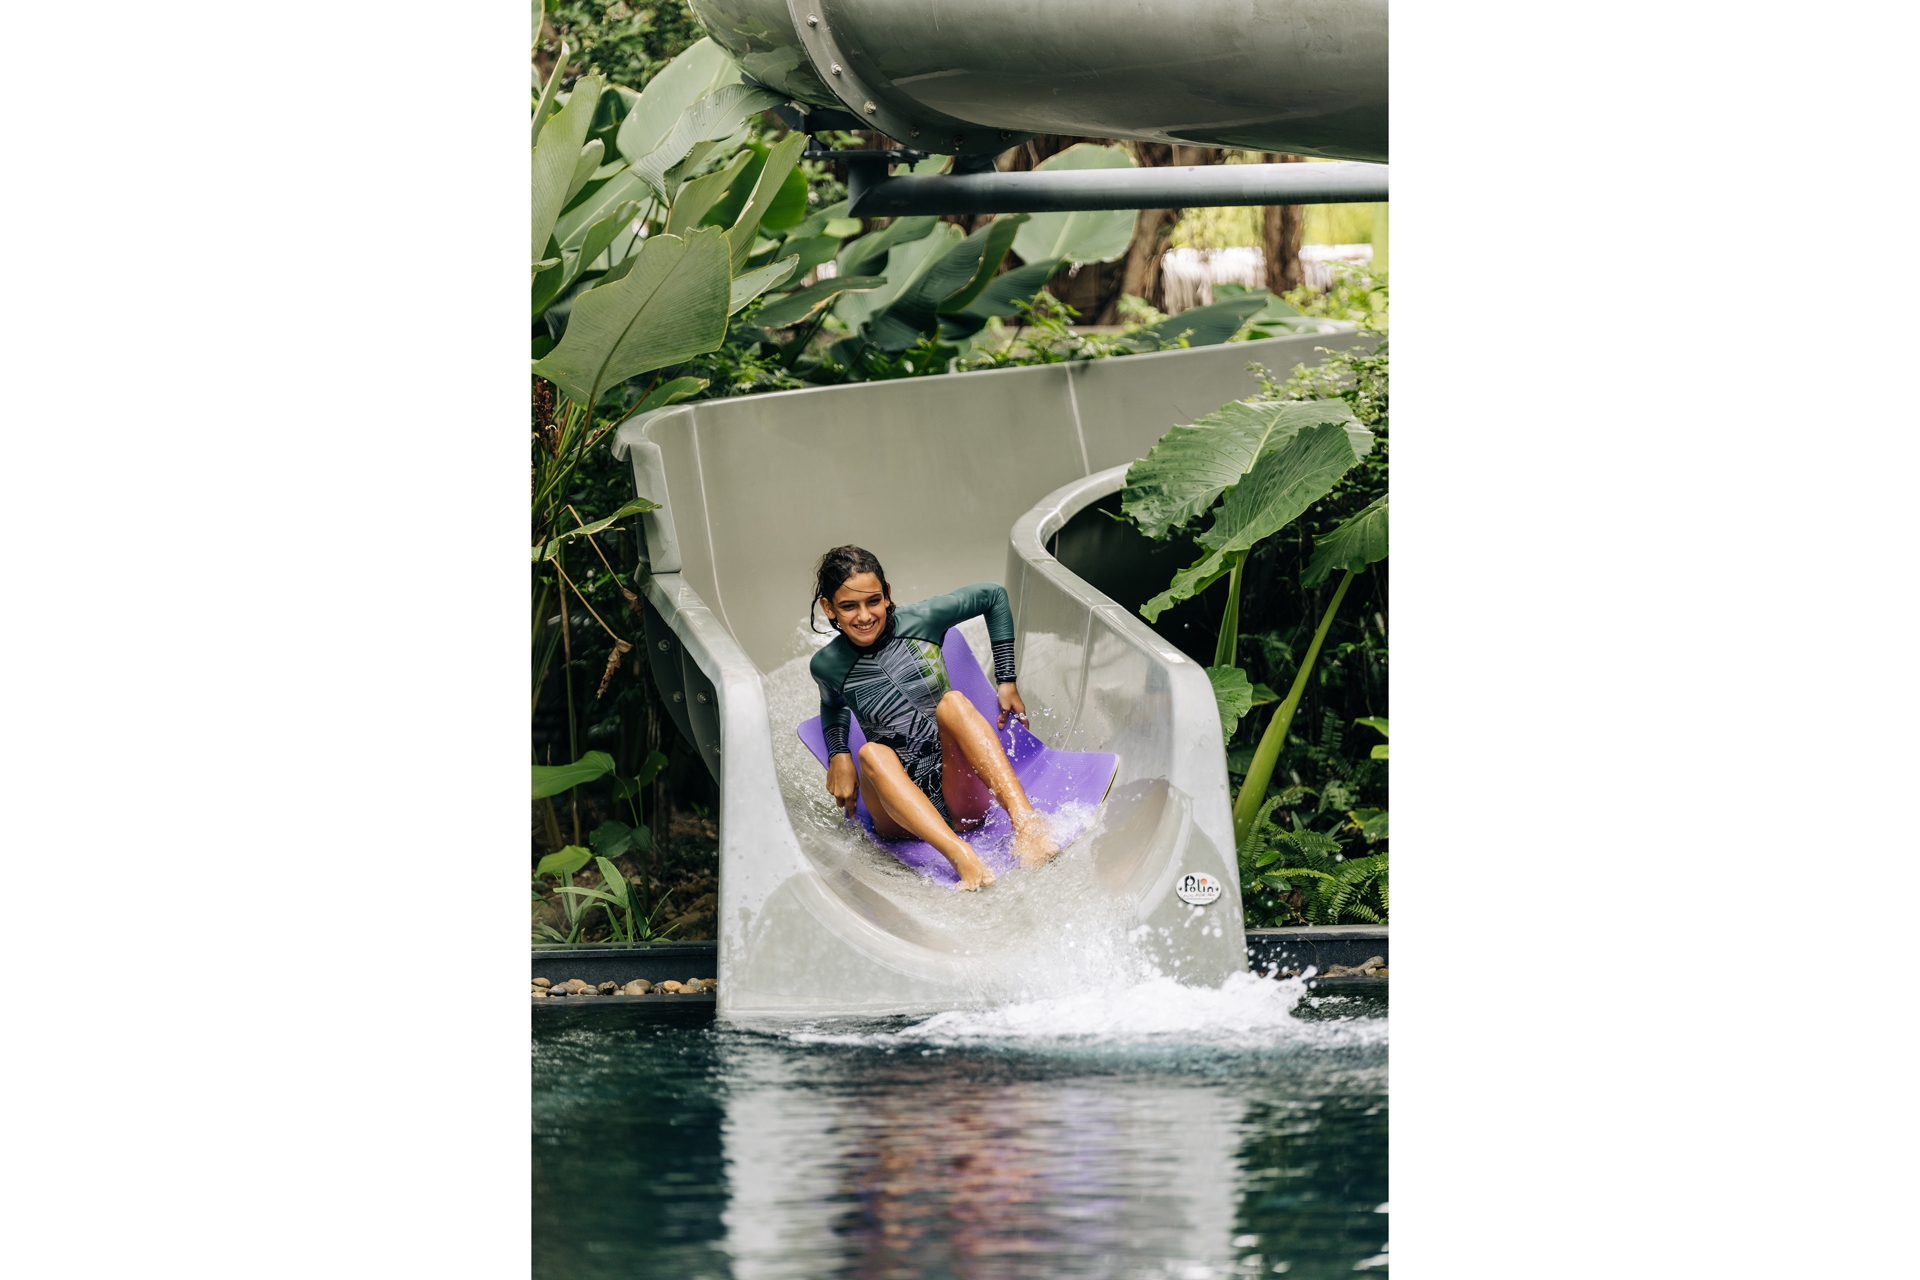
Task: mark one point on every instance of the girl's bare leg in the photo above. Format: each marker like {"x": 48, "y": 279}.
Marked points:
{"x": 972, "y": 755}
{"x": 901, "y": 809}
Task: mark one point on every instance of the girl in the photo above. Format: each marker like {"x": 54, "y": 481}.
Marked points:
{"x": 932, "y": 761}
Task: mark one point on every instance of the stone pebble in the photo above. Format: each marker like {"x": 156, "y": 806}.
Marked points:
{"x": 542, "y": 988}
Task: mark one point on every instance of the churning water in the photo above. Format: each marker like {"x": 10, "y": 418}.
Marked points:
{"x": 1152, "y": 1130}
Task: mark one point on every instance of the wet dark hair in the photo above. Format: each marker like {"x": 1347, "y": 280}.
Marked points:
{"x": 835, "y": 568}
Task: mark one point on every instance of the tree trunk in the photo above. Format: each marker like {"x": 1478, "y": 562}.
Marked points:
{"x": 1280, "y": 234}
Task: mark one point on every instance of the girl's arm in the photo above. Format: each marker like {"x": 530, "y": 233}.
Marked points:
{"x": 989, "y": 599}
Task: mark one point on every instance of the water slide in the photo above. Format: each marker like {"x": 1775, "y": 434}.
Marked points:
{"x": 951, "y": 480}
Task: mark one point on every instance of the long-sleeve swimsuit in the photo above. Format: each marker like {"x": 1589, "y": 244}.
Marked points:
{"x": 895, "y": 684}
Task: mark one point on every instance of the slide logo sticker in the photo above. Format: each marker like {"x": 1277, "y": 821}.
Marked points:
{"x": 1196, "y": 889}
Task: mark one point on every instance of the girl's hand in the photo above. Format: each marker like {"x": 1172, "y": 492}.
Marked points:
{"x": 843, "y": 784}
{"x": 1010, "y": 704}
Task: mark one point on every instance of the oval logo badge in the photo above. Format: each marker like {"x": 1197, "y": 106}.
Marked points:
{"x": 1196, "y": 889}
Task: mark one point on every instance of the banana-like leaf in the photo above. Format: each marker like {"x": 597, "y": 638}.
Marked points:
{"x": 751, "y": 285}
{"x": 633, "y": 508}
{"x": 1374, "y": 722}
{"x": 788, "y": 205}
{"x": 670, "y": 393}
{"x": 802, "y": 304}
{"x": 597, "y": 203}
{"x": 812, "y": 251}
{"x": 1000, "y": 296}
{"x": 556, "y": 157}
{"x": 915, "y": 312}
{"x": 1353, "y": 544}
{"x": 906, "y": 263}
{"x": 860, "y": 257}
{"x": 700, "y": 195}
{"x": 1282, "y": 483}
{"x": 669, "y": 307}
{"x": 552, "y": 779}
{"x": 564, "y": 862}
{"x": 718, "y": 115}
{"x": 1085, "y": 235}
{"x": 817, "y": 222}
{"x": 773, "y": 174}
{"x": 551, "y": 284}
{"x": 544, "y": 108}
{"x": 586, "y": 167}
{"x": 539, "y": 8}
{"x": 1189, "y": 467}
{"x": 997, "y": 238}
{"x": 1234, "y": 696}
{"x": 1198, "y": 326}
{"x": 697, "y": 71}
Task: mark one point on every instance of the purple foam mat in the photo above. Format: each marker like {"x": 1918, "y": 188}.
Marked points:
{"x": 1053, "y": 779}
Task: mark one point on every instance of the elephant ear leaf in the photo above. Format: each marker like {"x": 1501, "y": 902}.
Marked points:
{"x": 1354, "y": 543}
{"x": 1233, "y": 693}
{"x": 552, "y": 779}
{"x": 1282, "y": 483}
{"x": 1084, "y": 235}
{"x": 1192, "y": 466}
{"x": 670, "y": 307}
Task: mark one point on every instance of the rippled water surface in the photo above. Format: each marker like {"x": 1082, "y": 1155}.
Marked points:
{"x": 1149, "y": 1130}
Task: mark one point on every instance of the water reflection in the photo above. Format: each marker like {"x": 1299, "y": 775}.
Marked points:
{"x": 763, "y": 1156}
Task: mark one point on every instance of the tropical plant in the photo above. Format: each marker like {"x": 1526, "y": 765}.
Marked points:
{"x": 1264, "y": 462}
{"x": 1295, "y": 874}
{"x": 651, "y": 222}
{"x": 628, "y": 920}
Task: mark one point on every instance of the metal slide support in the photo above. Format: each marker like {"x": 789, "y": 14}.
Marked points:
{"x": 870, "y": 194}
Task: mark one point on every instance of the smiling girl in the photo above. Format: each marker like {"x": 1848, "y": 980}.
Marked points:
{"x": 932, "y": 762}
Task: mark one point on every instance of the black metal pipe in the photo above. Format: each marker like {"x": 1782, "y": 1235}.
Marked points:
{"x": 873, "y": 195}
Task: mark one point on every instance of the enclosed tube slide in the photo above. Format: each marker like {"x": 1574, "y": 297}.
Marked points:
{"x": 973, "y": 77}
{"x": 950, "y": 480}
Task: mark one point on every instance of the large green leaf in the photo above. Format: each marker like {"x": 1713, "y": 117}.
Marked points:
{"x": 697, "y": 71}
{"x": 754, "y": 283}
{"x": 556, "y": 157}
{"x": 1354, "y": 543}
{"x": 863, "y": 256}
{"x": 780, "y": 162}
{"x": 1189, "y": 467}
{"x": 1099, "y": 235}
{"x": 700, "y": 195}
{"x": 803, "y": 303}
{"x": 906, "y": 263}
{"x": 669, "y": 307}
{"x": 549, "y": 285}
{"x": 1283, "y": 482}
{"x": 552, "y": 779}
{"x": 996, "y": 238}
{"x": 789, "y": 204}
{"x": 1000, "y": 297}
{"x": 599, "y": 202}
{"x": 817, "y": 222}
{"x": 719, "y": 115}
{"x": 1233, "y": 694}
{"x": 811, "y": 250}
{"x": 1199, "y": 326}
{"x": 960, "y": 273}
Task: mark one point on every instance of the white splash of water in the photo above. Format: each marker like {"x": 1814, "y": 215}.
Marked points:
{"x": 1244, "y": 1013}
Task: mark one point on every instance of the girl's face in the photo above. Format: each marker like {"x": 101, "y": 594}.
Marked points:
{"x": 859, "y": 607}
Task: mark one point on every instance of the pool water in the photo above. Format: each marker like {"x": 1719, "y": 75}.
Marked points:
{"x": 1151, "y": 1130}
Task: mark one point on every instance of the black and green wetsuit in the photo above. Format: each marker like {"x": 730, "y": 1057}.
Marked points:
{"x": 895, "y": 683}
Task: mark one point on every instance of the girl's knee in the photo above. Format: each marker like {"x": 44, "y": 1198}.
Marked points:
{"x": 873, "y": 755}
{"x": 953, "y": 705}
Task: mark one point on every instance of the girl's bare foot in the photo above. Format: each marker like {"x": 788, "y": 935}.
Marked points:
{"x": 1033, "y": 841}
{"x": 973, "y": 872}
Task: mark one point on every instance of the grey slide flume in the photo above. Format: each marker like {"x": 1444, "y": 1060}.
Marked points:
{"x": 949, "y": 480}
